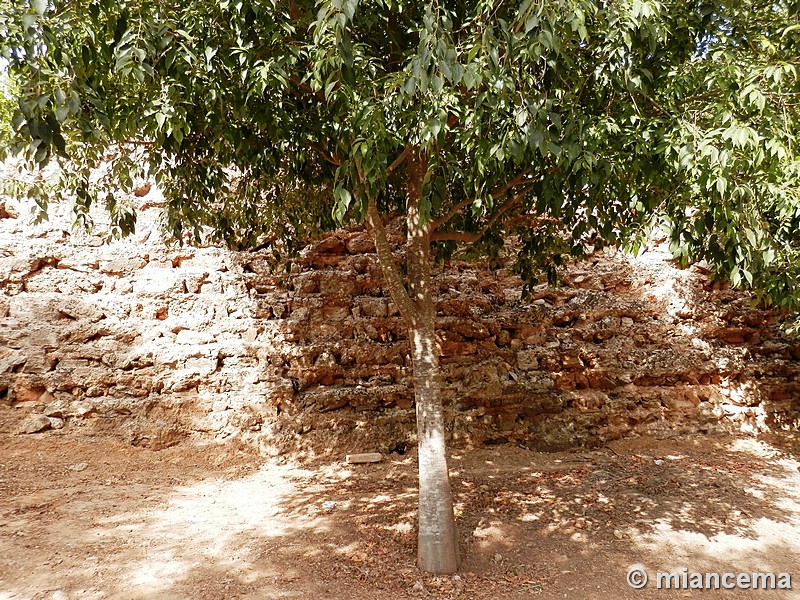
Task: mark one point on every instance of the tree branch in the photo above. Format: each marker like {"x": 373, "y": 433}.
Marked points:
{"x": 472, "y": 237}
{"x": 436, "y": 223}
{"x": 334, "y": 160}
{"x": 302, "y": 85}
{"x": 397, "y": 162}
{"x": 386, "y": 259}
{"x": 456, "y": 236}
{"x": 496, "y": 193}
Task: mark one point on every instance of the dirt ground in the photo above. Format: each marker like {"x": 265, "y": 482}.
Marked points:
{"x": 89, "y": 518}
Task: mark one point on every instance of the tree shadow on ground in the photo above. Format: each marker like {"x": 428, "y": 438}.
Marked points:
{"x": 529, "y": 523}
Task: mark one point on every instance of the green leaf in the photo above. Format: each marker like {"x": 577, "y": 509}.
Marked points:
{"x": 349, "y": 8}
{"x": 40, "y": 6}
{"x": 62, "y": 112}
{"x": 722, "y": 185}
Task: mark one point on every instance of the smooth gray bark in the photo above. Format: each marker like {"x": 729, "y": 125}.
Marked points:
{"x": 437, "y": 550}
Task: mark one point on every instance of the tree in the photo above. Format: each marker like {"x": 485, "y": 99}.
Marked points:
{"x": 6, "y": 107}
{"x": 544, "y": 129}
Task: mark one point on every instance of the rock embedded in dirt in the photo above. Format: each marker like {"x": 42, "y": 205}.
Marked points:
{"x": 35, "y": 423}
{"x": 55, "y": 410}
{"x": 367, "y": 457}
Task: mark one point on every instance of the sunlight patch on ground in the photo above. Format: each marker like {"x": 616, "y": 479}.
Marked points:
{"x": 668, "y": 285}
{"x": 767, "y": 543}
{"x": 753, "y": 446}
{"x": 209, "y": 522}
{"x": 402, "y": 528}
{"x": 742, "y": 552}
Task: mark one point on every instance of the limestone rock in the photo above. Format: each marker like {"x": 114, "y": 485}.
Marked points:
{"x": 35, "y": 423}
{"x": 56, "y": 422}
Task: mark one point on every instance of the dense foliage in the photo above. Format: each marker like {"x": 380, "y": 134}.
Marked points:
{"x": 734, "y": 149}
{"x": 7, "y": 104}
{"x": 261, "y": 117}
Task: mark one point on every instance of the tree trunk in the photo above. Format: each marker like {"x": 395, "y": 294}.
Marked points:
{"x": 437, "y": 550}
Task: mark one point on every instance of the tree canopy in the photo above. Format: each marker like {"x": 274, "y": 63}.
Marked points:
{"x": 601, "y": 113}
{"x": 560, "y": 125}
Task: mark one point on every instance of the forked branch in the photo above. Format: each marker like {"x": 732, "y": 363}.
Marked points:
{"x": 470, "y": 237}
{"x": 520, "y": 179}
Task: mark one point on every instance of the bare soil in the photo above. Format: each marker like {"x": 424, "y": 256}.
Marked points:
{"x": 89, "y": 518}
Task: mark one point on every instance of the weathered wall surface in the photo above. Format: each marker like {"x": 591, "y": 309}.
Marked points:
{"x": 155, "y": 346}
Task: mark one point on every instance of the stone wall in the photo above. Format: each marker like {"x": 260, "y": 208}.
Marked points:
{"x": 157, "y": 345}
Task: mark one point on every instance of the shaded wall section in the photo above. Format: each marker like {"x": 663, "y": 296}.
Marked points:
{"x": 158, "y": 345}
